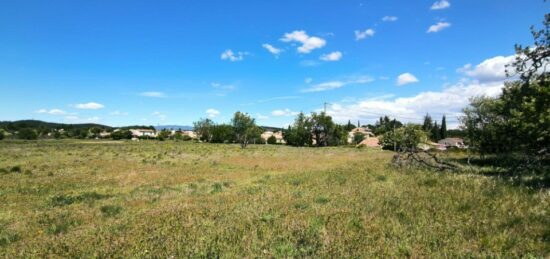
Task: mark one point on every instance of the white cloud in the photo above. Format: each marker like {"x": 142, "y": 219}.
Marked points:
{"x": 438, "y": 27}
{"x": 493, "y": 69}
{"x": 231, "y": 56}
{"x": 333, "y": 56}
{"x": 389, "y": 18}
{"x": 450, "y": 100}
{"x": 89, "y": 106}
{"x": 285, "y": 112}
{"x": 271, "y": 49}
{"x": 153, "y": 94}
{"x": 331, "y": 85}
{"x": 212, "y": 113}
{"x": 309, "y": 43}
{"x": 51, "y": 111}
{"x": 359, "y": 35}
{"x": 438, "y": 5}
{"x": 308, "y": 80}
{"x": 406, "y": 78}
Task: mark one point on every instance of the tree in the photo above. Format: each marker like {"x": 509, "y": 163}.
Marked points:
{"x": 222, "y": 133}
{"x": 358, "y": 137}
{"x": 163, "y": 134}
{"x": 349, "y": 127}
{"x": 405, "y": 138}
{"x": 272, "y": 140}
{"x": 428, "y": 123}
{"x": 1, "y": 134}
{"x": 245, "y": 128}
{"x": 385, "y": 125}
{"x": 443, "y": 130}
{"x": 484, "y": 126}
{"x": 95, "y": 131}
{"x": 203, "y": 129}
{"x": 121, "y": 134}
{"x": 321, "y": 127}
{"x": 27, "y": 133}
{"x": 435, "y": 132}
{"x": 299, "y": 133}
{"x": 519, "y": 119}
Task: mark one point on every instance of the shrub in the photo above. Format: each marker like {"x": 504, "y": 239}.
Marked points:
{"x": 1, "y": 134}
{"x": 28, "y": 134}
{"x": 272, "y": 140}
{"x": 121, "y": 134}
{"x": 15, "y": 169}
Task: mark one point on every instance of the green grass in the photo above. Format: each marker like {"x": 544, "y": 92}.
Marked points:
{"x": 174, "y": 199}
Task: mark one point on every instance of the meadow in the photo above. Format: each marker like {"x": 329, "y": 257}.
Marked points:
{"x": 169, "y": 199}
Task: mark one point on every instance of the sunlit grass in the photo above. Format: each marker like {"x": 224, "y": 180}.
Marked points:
{"x": 175, "y": 199}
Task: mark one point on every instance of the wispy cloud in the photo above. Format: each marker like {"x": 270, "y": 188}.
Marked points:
{"x": 233, "y": 56}
{"x": 160, "y": 115}
{"x": 331, "y": 85}
{"x": 271, "y": 49}
{"x": 153, "y": 94}
{"x": 438, "y": 27}
{"x": 309, "y": 43}
{"x": 284, "y": 112}
{"x": 360, "y": 35}
{"x": 389, "y": 18}
{"x": 52, "y": 111}
{"x": 439, "y": 5}
{"x": 89, "y": 106}
{"x": 118, "y": 113}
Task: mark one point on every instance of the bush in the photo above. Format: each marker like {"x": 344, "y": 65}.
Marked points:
{"x": 121, "y": 134}
{"x": 272, "y": 140}
{"x": 1, "y": 134}
{"x": 28, "y": 134}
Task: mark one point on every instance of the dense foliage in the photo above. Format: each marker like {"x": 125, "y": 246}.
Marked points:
{"x": 519, "y": 119}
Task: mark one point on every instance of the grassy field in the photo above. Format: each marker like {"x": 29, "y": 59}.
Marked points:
{"x": 173, "y": 199}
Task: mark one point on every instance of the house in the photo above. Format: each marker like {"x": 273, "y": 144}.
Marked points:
{"x": 362, "y": 130}
{"x": 104, "y": 134}
{"x": 452, "y": 142}
{"x": 278, "y": 135}
{"x": 370, "y": 142}
{"x": 189, "y": 133}
{"x": 143, "y": 133}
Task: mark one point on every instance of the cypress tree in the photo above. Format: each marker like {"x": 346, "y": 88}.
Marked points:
{"x": 443, "y": 133}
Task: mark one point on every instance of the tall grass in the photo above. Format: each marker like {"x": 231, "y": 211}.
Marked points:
{"x": 151, "y": 199}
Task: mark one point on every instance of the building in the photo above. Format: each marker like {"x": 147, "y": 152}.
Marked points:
{"x": 278, "y": 135}
{"x": 362, "y": 130}
{"x": 452, "y": 142}
{"x": 143, "y": 133}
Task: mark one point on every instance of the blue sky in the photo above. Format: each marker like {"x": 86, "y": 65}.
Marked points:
{"x": 172, "y": 62}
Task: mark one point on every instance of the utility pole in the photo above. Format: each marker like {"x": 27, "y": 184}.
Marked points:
{"x": 325, "y": 107}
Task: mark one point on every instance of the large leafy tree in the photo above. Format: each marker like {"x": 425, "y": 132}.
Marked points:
{"x": 203, "y": 129}
{"x": 519, "y": 119}
{"x": 405, "y": 138}
{"x": 321, "y": 127}
{"x": 245, "y": 128}
{"x": 299, "y": 133}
